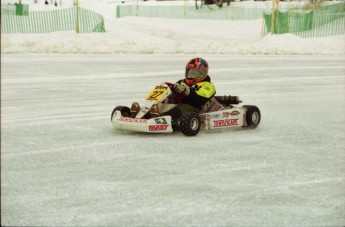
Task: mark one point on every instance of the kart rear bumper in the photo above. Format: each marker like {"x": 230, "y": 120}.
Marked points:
{"x": 153, "y": 125}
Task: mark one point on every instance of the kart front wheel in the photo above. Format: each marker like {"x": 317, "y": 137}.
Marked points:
{"x": 253, "y": 116}
{"x": 190, "y": 123}
{"x": 125, "y": 111}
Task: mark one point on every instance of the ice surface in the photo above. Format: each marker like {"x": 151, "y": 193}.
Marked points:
{"x": 62, "y": 163}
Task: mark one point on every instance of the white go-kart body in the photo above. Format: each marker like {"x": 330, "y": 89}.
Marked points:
{"x": 220, "y": 112}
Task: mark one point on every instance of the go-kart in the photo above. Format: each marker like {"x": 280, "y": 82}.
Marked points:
{"x": 219, "y": 112}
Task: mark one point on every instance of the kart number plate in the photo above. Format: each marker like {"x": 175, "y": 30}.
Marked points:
{"x": 157, "y": 93}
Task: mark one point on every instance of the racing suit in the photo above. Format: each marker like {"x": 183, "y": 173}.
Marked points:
{"x": 199, "y": 94}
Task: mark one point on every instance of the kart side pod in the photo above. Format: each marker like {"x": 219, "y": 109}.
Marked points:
{"x": 223, "y": 114}
{"x": 152, "y": 125}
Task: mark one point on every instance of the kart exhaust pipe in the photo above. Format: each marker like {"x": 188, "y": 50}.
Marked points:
{"x": 228, "y": 99}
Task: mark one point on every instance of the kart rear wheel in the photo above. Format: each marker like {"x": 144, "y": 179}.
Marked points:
{"x": 125, "y": 111}
{"x": 190, "y": 123}
{"x": 253, "y": 116}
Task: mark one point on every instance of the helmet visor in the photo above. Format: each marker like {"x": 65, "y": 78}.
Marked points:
{"x": 192, "y": 74}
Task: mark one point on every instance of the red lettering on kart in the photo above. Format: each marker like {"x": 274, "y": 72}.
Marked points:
{"x": 226, "y": 122}
{"x": 133, "y": 120}
{"x": 234, "y": 113}
{"x": 158, "y": 127}
{"x": 203, "y": 118}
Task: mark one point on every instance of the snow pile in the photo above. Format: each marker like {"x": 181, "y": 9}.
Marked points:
{"x": 137, "y": 35}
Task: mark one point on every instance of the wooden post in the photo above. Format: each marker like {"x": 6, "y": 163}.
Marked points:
{"x": 77, "y": 19}
{"x": 274, "y": 21}
{"x": 185, "y": 9}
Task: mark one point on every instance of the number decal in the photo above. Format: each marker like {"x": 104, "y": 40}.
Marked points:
{"x": 157, "y": 93}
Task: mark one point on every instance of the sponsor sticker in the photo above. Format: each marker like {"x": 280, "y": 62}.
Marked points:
{"x": 203, "y": 117}
{"x": 158, "y": 127}
{"x": 228, "y": 114}
{"x": 133, "y": 120}
{"x": 234, "y": 113}
{"x": 214, "y": 115}
{"x": 161, "y": 121}
{"x": 226, "y": 122}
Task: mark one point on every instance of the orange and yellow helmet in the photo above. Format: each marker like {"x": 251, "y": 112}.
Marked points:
{"x": 196, "y": 71}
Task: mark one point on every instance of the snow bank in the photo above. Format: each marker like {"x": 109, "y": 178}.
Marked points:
{"x": 137, "y": 35}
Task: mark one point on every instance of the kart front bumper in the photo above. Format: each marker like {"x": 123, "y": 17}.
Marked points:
{"x": 153, "y": 125}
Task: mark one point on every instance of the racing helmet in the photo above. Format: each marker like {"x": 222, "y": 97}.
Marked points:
{"x": 196, "y": 71}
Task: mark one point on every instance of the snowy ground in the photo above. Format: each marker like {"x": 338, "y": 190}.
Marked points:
{"x": 138, "y": 35}
{"x": 62, "y": 163}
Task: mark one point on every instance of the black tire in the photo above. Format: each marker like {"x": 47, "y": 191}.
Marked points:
{"x": 125, "y": 111}
{"x": 190, "y": 123}
{"x": 253, "y": 116}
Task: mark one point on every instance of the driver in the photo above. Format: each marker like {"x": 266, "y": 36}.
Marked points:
{"x": 191, "y": 94}
{"x": 194, "y": 91}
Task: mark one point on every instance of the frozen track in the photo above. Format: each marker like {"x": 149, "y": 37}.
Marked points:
{"x": 62, "y": 163}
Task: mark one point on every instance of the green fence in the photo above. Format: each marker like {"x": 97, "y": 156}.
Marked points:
{"x": 323, "y": 21}
{"x": 190, "y": 12}
{"x": 15, "y": 9}
{"x": 69, "y": 19}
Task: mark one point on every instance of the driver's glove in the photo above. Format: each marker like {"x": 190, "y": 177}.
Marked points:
{"x": 180, "y": 89}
